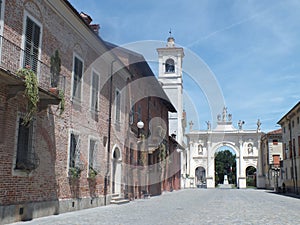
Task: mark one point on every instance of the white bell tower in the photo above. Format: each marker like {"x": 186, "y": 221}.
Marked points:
{"x": 170, "y": 77}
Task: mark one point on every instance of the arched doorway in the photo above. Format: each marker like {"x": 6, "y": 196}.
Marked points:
{"x": 116, "y": 171}
{"x": 225, "y": 166}
{"x": 251, "y": 176}
{"x": 200, "y": 175}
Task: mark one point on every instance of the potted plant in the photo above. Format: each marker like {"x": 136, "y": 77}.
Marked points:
{"x": 74, "y": 172}
{"x": 92, "y": 172}
{"x": 31, "y": 92}
{"x": 61, "y": 95}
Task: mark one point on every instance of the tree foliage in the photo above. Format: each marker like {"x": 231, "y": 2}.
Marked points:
{"x": 225, "y": 164}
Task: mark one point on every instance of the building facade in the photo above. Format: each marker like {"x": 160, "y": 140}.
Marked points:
{"x": 64, "y": 142}
{"x": 272, "y": 154}
{"x": 290, "y": 124}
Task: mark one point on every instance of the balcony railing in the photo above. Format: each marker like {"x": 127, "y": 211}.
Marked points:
{"x": 14, "y": 57}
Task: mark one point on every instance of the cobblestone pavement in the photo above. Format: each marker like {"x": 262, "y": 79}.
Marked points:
{"x": 192, "y": 206}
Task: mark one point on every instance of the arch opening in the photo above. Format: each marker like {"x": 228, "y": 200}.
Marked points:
{"x": 225, "y": 166}
{"x": 251, "y": 176}
{"x": 170, "y": 66}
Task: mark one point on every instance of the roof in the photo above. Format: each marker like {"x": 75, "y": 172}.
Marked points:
{"x": 278, "y": 131}
{"x": 137, "y": 65}
{"x": 289, "y": 113}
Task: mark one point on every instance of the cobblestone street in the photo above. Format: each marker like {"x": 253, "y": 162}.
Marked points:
{"x": 193, "y": 206}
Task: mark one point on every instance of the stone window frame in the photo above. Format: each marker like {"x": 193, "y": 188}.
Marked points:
{"x": 95, "y": 91}
{"x": 27, "y": 15}
{"x": 94, "y": 154}
{"x": 77, "y": 151}
{"x": 74, "y": 96}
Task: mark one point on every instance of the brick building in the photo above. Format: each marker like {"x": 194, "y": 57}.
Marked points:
{"x": 68, "y": 151}
{"x": 290, "y": 124}
{"x": 150, "y": 151}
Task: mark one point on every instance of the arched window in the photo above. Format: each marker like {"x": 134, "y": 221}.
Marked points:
{"x": 170, "y": 66}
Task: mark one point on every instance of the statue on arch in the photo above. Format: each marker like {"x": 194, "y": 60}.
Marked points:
{"x": 208, "y": 125}
{"x": 224, "y": 113}
{"x": 258, "y": 124}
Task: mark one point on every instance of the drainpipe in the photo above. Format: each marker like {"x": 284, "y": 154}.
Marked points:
{"x": 295, "y": 177}
{"x": 109, "y": 133}
{"x": 291, "y": 149}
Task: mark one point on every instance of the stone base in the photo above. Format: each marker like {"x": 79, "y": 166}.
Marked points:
{"x": 242, "y": 182}
{"x": 210, "y": 183}
{"x": 68, "y": 205}
{"x": 225, "y": 186}
{"x": 29, "y": 211}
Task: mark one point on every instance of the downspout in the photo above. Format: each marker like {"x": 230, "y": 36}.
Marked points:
{"x": 109, "y": 133}
{"x": 291, "y": 149}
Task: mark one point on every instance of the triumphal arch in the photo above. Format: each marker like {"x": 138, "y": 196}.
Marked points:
{"x": 203, "y": 144}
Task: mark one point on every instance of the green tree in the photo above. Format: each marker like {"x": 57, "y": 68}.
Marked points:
{"x": 225, "y": 164}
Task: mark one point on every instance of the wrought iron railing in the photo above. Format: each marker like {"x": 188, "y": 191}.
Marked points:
{"x": 13, "y": 58}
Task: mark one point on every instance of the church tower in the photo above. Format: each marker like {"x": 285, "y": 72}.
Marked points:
{"x": 170, "y": 77}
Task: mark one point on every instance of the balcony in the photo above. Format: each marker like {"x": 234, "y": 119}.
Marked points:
{"x": 12, "y": 58}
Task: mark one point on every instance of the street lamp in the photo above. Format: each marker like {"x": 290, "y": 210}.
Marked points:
{"x": 140, "y": 124}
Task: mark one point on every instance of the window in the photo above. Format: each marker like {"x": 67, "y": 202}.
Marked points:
{"x": 77, "y": 77}
{"x": 297, "y": 119}
{"x": 26, "y": 158}
{"x": 92, "y": 152}
{"x": 95, "y": 91}
{"x": 275, "y": 142}
{"x": 170, "y": 66}
{"x": 32, "y": 44}
{"x": 74, "y": 151}
{"x": 118, "y": 105}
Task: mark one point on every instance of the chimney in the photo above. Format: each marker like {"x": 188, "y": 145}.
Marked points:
{"x": 87, "y": 19}
{"x": 95, "y": 28}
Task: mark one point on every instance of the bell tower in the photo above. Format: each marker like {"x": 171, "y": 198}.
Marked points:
{"x": 170, "y": 77}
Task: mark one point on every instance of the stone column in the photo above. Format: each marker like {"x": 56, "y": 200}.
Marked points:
{"x": 242, "y": 178}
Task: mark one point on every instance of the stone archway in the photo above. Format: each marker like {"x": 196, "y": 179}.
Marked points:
{"x": 225, "y": 159}
{"x": 231, "y": 146}
{"x": 203, "y": 144}
{"x": 251, "y": 176}
{"x": 116, "y": 170}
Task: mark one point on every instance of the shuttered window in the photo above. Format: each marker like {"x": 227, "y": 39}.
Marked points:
{"x": 32, "y": 42}
{"x": 93, "y": 147}
{"x": 74, "y": 150}
{"x": 95, "y": 92}
{"x": 26, "y": 158}
{"x": 77, "y": 78}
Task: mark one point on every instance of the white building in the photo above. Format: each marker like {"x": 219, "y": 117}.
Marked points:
{"x": 170, "y": 76}
{"x": 203, "y": 144}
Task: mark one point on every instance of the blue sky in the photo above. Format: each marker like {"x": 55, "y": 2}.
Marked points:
{"x": 252, "y": 48}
